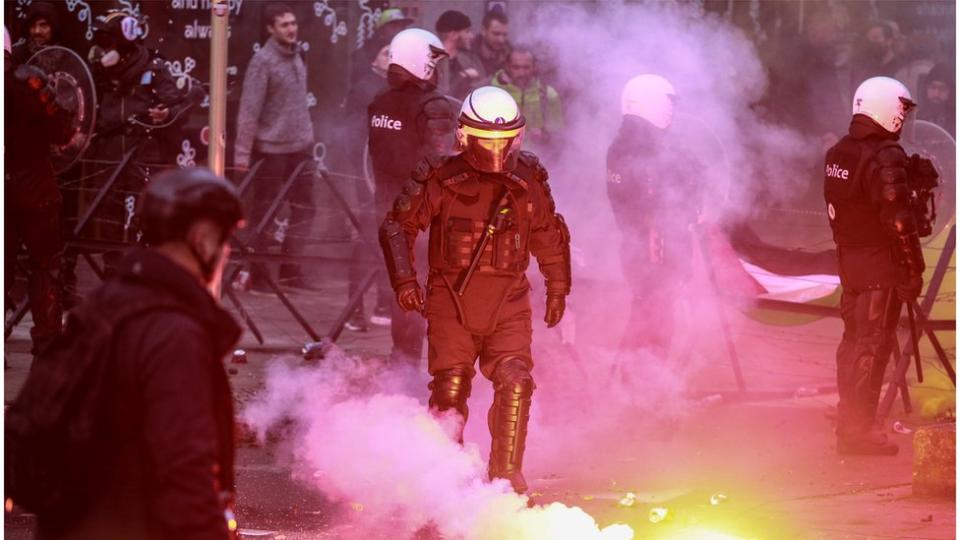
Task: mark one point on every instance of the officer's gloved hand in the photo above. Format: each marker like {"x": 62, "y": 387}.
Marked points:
{"x": 908, "y": 289}
{"x": 410, "y": 297}
{"x": 556, "y": 303}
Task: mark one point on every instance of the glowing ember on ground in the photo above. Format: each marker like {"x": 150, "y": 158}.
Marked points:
{"x": 658, "y": 514}
{"x": 717, "y": 498}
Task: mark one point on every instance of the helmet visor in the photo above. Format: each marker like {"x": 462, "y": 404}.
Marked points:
{"x": 491, "y": 150}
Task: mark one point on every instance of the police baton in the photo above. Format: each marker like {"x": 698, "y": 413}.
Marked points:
{"x": 913, "y": 339}
{"x": 496, "y": 222}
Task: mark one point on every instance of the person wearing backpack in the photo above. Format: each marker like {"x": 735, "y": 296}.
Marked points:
{"x": 124, "y": 429}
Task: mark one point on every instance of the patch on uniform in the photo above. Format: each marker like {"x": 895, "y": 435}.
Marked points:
{"x": 614, "y": 177}
{"x": 402, "y": 204}
{"x": 831, "y": 211}
{"x": 412, "y": 188}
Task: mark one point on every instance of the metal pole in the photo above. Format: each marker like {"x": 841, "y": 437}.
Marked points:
{"x": 219, "y": 15}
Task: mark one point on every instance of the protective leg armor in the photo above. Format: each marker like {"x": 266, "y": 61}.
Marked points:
{"x": 450, "y": 389}
{"x": 508, "y": 419}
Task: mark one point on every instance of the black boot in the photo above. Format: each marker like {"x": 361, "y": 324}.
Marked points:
{"x": 869, "y": 443}
{"x": 508, "y": 419}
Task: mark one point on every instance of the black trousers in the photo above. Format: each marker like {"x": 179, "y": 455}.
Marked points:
{"x": 38, "y": 230}
{"x": 270, "y": 179}
{"x": 870, "y": 320}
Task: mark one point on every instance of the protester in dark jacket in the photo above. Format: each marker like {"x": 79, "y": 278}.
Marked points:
{"x": 139, "y": 105}
{"x": 168, "y": 441}
{"x": 40, "y": 29}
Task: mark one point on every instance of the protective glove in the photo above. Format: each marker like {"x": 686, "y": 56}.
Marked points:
{"x": 908, "y": 288}
{"x": 410, "y": 297}
{"x": 556, "y": 303}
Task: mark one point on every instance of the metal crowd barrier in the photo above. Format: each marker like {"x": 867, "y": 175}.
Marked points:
{"x": 242, "y": 255}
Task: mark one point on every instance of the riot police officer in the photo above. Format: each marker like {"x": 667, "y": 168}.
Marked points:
{"x": 655, "y": 201}
{"x": 407, "y": 122}
{"x": 488, "y": 209}
{"x": 881, "y": 262}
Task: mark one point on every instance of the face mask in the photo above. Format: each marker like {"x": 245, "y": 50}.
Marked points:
{"x": 110, "y": 58}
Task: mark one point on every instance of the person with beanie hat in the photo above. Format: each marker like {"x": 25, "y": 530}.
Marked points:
{"x": 462, "y": 71}
{"x": 937, "y": 100}
{"x": 40, "y": 28}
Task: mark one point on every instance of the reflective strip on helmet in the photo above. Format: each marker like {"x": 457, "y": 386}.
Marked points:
{"x": 490, "y": 133}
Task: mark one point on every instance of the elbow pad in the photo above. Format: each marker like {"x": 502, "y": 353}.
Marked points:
{"x": 396, "y": 252}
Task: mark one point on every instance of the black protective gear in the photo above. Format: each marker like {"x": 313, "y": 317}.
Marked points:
{"x": 37, "y": 230}
{"x": 175, "y": 200}
{"x": 397, "y": 254}
{"x": 450, "y": 389}
{"x": 410, "y": 297}
{"x": 408, "y": 122}
{"x": 868, "y": 202}
{"x": 656, "y": 201}
{"x": 508, "y": 419}
{"x": 556, "y": 304}
{"x": 869, "y": 321}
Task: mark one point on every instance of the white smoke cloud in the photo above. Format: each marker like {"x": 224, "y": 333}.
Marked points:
{"x": 357, "y": 434}
{"x": 591, "y": 50}
{"x": 356, "y": 442}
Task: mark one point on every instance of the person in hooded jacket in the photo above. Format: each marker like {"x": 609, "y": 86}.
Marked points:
{"x": 656, "y": 204}
{"x": 41, "y": 29}
{"x": 139, "y": 110}
{"x": 408, "y": 121}
{"x": 166, "y": 447}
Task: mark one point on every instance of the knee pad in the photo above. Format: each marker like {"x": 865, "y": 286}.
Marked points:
{"x": 513, "y": 375}
{"x": 450, "y": 389}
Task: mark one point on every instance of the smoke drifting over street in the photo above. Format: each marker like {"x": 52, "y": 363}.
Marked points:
{"x": 361, "y": 431}
{"x": 591, "y": 51}
{"x": 358, "y": 441}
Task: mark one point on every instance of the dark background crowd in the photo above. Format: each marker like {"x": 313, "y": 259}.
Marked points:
{"x": 152, "y": 106}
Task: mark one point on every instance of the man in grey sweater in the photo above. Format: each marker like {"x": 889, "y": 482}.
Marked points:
{"x": 274, "y": 125}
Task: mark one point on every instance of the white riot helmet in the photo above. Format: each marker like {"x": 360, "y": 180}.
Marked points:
{"x": 884, "y": 100}
{"x": 417, "y": 51}
{"x": 490, "y": 130}
{"x": 650, "y": 97}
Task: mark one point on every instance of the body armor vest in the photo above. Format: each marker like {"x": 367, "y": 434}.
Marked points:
{"x": 847, "y": 190}
{"x": 396, "y": 144}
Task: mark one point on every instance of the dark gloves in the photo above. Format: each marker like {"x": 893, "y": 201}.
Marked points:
{"x": 32, "y": 76}
{"x": 908, "y": 288}
{"x": 410, "y": 297}
{"x": 555, "y": 305}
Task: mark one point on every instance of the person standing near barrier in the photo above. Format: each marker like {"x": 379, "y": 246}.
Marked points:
{"x": 867, "y": 189}
{"x": 654, "y": 200}
{"x": 274, "y": 125}
{"x": 145, "y": 424}
{"x": 488, "y": 209}
{"x": 34, "y": 119}
{"x": 139, "y": 107}
{"x": 407, "y": 122}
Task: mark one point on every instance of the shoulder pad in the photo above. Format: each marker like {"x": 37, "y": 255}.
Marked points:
{"x": 891, "y": 153}
{"x": 530, "y": 167}
{"x": 427, "y": 167}
{"x": 529, "y": 159}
